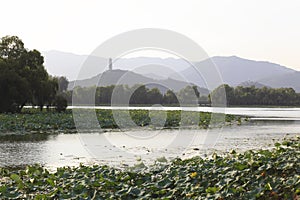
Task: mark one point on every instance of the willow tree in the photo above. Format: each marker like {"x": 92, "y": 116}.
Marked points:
{"x": 23, "y": 78}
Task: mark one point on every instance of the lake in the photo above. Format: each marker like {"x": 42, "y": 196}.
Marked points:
{"x": 266, "y": 125}
{"x": 283, "y": 113}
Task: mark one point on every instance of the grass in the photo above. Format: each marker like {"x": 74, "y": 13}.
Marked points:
{"x": 262, "y": 174}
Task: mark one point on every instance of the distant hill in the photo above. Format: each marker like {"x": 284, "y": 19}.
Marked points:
{"x": 68, "y": 64}
{"x": 291, "y": 79}
{"x": 233, "y": 70}
{"x": 123, "y": 77}
{"x": 64, "y": 64}
{"x": 236, "y": 70}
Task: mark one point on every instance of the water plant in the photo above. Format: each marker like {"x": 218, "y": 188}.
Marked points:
{"x": 33, "y": 121}
{"x": 261, "y": 174}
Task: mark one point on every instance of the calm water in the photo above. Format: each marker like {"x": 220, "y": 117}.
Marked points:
{"x": 284, "y": 113}
{"x": 130, "y": 147}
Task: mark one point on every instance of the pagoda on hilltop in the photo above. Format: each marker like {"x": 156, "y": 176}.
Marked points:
{"x": 110, "y": 64}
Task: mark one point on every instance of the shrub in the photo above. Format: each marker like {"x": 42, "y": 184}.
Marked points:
{"x": 60, "y": 103}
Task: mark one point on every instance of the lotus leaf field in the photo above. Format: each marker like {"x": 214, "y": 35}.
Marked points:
{"x": 33, "y": 121}
{"x": 261, "y": 174}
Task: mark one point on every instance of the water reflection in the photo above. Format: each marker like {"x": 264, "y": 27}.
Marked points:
{"x": 18, "y": 150}
{"x": 67, "y": 149}
{"x": 291, "y": 113}
{"x": 45, "y": 149}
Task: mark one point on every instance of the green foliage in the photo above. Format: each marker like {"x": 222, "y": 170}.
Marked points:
{"x": 33, "y": 120}
{"x": 222, "y": 96}
{"x": 240, "y": 95}
{"x": 170, "y": 98}
{"x": 14, "y": 89}
{"x": 60, "y": 103}
{"x": 135, "y": 95}
{"x": 262, "y": 174}
{"x": 188, "y": 96}
{"x": 139, "y": 95}
{"x": 62, "y": 84}
{"x": 23, "y": 78}
{"x": 154, "y": 96}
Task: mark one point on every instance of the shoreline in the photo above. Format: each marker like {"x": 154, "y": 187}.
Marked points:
{"x": 124, "y": 148}
{"x": 264, "y": 174}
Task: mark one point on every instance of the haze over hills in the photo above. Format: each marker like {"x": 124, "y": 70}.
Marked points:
{"x": 252, "y": 83}
{"x": 68, "y": 64}
{"x": 124, "y": 77}
{"x": 291, "y": 79}
{"x": 233, "y": 70}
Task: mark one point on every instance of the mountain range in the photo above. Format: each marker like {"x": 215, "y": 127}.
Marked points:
{"x": 168, "y": 72}
{"x": 68, "y": 64}
{"x": 125, "y": 77}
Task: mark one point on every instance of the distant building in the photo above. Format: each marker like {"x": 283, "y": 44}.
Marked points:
{"x": 110, "y": 64}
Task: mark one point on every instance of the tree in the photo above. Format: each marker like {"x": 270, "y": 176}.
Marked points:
{"x": 187, "y": 96}
{"x": 222, "y": 95}
{"x": 60, "y": 103}
{"x": 256, "y": 96}
{"x": 62, "y": 84}
{"x": 103, "y": 95}
{"x": 11, "y": 48}
{"x": 121, "y": 95}
{"x": 46, "y": 92}
{"x": 139, "y": 96}
{"x": 154, "y": 96}
{"x": 197, "y": 93}
{"x": 13, "y": 89}
{"x": 170, "y": 98}
{"x": 23, "y": 76}
{"x": 85, "y": 95}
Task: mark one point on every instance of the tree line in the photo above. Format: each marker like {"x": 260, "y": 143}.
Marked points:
{"x": 24, "y": 80}
{"x": 135, "y": 95}
{"x": 255, "y": 96}
{"x": 224, "y": 95}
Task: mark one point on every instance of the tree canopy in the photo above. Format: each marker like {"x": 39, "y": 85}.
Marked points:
{"x": 136, "y": 95}
{"x": 256, "y": 96}
{"x": 221, "y": 96}
{"x": 23, "y": 78}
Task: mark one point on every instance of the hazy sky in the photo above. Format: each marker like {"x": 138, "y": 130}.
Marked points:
{"x": 259, "y": 30}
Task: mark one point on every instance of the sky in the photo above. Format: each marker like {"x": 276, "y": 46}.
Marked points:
{"x": 259, "y": 30}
